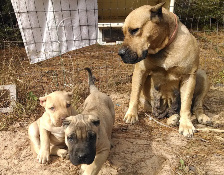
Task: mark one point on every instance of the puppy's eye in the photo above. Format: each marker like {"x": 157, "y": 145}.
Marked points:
{"x": 52, "y": 108}
{"x": 91, "y": 135}
{"x": 70, "y": 138}
{"x": 68, "y": 105}
{"x": 133, "y": 31}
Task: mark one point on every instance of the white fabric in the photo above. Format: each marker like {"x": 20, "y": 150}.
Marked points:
{"x": 52, "y": 27}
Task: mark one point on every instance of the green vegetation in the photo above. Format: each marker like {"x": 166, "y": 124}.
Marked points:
{"x": 220, "y": 79}
{"x": 200, "y": 14}
{"x": 182, "y": 165}
{"x": 9, "y": 30}
{"x": 31, "y": 102}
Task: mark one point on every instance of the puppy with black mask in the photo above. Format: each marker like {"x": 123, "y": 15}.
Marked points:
{"x": 88, "y": 135}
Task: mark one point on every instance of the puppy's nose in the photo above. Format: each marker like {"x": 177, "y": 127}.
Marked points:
{"x": 122, "y": 51}
{"x": 63, "y": 116}
{"x": 82, "y": 157}
{"x": 61, "y": 119}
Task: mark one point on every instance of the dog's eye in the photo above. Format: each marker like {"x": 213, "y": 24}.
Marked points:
{"x": 70, "y": 138}
{"x": 52, "y": 108}
{"x": 133, "y": 31}
{"x": 68, "y": 105}
{"x": 91, "y": 135}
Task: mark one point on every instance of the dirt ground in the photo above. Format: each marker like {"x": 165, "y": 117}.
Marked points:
{"x": 145, "y": 148}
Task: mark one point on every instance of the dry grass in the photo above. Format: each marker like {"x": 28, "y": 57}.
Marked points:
{"x": 60, "y": 73}
{"x": 114, "y": 77}
{"x": 66, "y": 72}
{"x": 212, "y": 55}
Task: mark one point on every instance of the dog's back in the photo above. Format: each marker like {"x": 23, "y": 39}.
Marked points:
{"x": 99, "y": 104}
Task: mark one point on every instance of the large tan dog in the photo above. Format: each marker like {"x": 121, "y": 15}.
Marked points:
{"x": 88, "y": 135}
{"x": 166, "y": 58}
{"x": 47, "y": 134}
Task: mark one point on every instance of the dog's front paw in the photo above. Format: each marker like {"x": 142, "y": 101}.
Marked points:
{"x": 63, "y": 153}
{"x": 186, "y": 127}
{"x": 204, "y": 119}
{"x": 43, "y": 156}
{"x": 130, "y": 118}
{"x": 173, "y": 120}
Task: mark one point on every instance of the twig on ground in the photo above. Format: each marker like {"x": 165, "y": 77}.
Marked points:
{"x": 210, "y": 129}
{"x": 199, "y": 130}
{"x": 151, "y": 118}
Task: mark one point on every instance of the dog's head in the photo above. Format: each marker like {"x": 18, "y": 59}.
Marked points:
{"x": 81, "y": 135}
{"x": 57, "y": 105}
{"x": 145, "y": 31}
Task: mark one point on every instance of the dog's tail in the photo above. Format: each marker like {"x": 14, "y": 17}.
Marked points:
{"x": 92, "y": 86}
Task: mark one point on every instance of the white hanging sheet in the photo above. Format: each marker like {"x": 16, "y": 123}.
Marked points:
{"x": 52, "y": 27}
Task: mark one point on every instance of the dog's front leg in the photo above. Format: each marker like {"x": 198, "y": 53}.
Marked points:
{"x": 94, "y": 168}
{"x": 186, "y": 92}
{"x": 138, "y": 80}
{"x": 44, "y": 152}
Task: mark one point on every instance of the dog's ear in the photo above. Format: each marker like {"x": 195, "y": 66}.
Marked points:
{"x": 70, "y": 94}
{"x": 72, "y": 91}
{"x": 156, "y": 13}
{"x": 66, "y": 123}
{"x": 43, "y": 101}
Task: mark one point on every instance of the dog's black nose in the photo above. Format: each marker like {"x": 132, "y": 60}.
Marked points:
{"x": 82, "y": 157}
{"x": 122, "y": 51}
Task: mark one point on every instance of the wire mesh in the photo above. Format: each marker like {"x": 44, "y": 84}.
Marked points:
{"x": 66, "y": 71}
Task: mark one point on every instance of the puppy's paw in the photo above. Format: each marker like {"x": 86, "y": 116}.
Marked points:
{"x": 43, "y": 156}
{"x": 83, "y": 167}
{"x": 204, "y": 119}
{"x": 63, "y": 153}
{"x": 131, "y": 118}
{"x": 173, "y": 120}
{"x": 186, "y": 127}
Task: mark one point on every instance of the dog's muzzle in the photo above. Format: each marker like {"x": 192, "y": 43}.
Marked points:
{"x": 82, "y": 151}
{"x": 77, "y": 157}
{"x": 130, "y": 57}
{"x": 82, "y": 159}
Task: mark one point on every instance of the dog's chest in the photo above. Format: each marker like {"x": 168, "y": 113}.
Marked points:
{"x": 162, "y": 76}
{"x": 165, "y": 61}
{"x": 166, "y": 81}
{"x": 57, "y": 137}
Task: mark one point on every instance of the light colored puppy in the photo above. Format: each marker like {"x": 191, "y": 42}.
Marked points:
{"x": 46, "y": 134}
{"x": 166, "y": 55}
{"x": 88, "y": 135}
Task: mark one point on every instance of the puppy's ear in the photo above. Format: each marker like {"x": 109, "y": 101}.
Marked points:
{"x": 66, "y": 123}
{"x": 156, "y": 13}
{"x": 43, "y": 101}
{"x": 70, "y": 94}
{"x": 72, "y": 91}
